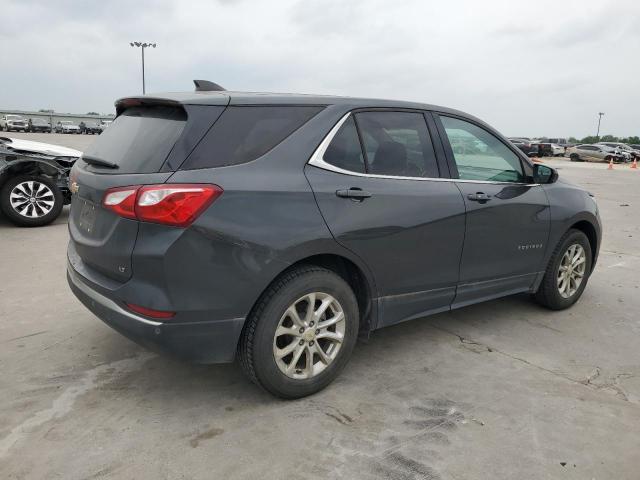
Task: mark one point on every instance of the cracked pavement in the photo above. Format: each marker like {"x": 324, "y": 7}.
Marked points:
{"x": 499, "y": 390}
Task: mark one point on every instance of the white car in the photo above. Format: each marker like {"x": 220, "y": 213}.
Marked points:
{"x": 623, "y": 147}
{"x": 35, "y": 180}
{"x": 557, "y": 150}
{"x": 66, "y": 126}
{"x": 625, "y": 155}
{"x": 13, "y": 122}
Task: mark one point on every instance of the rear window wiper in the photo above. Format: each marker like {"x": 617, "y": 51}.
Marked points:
{"x": 98, "y": 162}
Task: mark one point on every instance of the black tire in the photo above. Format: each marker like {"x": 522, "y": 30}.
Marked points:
{"x": 15, "y": 217}
{"x": 574, "y": 157}
{"x": 548, "y": 294}
{"x": 255, "y": 349}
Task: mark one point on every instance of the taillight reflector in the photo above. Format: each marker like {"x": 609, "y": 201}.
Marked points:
{"x": 150, "y": 312}
{"x": 177, "y": 205}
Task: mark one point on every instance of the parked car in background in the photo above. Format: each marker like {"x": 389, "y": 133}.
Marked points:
{"x": 89, "y": 127}
{"x": 547, "y": 149}
{"x": 14, "y": 123}
{"x": 562, "y": 142}
{"x": 635, "y": 147}
{"x": 594, "y": 153}
{"x": 38, "y": 125}
{"x": 623, "y": 147}
{"x": 104, "y": 124}
{"x": 34, "y": 180}
{"x": 276, "y": 228}
{"x": 525, "y": 145}
{"x": 67, "y": 126}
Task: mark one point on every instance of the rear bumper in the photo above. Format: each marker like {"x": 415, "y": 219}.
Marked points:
{"x": 212, "y": 341}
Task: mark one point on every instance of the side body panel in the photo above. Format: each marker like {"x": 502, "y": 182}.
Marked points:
{"x": 409, "y": 232}
{"x": 505, "y": 240}
{"x": 506, "y": 233}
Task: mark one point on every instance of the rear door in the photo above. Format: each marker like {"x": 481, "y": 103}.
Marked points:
{"x": 378, "y": 185}
{"x": 507, "y": 216}
{"x": 138, "y": 144}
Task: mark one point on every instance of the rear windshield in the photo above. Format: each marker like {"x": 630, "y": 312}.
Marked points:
{"x": 244, "y": 133}
{"x": 140, "y": 139}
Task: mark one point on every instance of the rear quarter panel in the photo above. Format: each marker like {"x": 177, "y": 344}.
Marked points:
{"x": 266, "y": 219}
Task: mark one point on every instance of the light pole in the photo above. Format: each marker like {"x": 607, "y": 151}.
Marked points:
{"x": 600, "y": 114}
{"x": 142, "y": 45}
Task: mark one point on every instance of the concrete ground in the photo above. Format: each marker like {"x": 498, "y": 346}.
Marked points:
{"x": 503, "y": 390}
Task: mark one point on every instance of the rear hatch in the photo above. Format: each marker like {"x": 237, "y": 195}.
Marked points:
{"x": 139, "y": 148}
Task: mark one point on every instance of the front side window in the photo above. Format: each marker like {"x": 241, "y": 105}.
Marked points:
{"x": 397, "y": 144}
{"x": 344, "y": 151}
{"x": 479, "y": 155}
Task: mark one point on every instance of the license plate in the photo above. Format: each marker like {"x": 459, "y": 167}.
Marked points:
{"x": 87, "y": 217}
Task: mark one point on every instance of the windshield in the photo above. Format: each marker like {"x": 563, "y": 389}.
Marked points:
{"x": 38, "y": 121}
{"x": 66, "y": 123}
{"x": 14, "y": 117}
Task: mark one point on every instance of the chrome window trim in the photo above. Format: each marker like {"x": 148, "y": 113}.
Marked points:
{"x": 316, "y": 160}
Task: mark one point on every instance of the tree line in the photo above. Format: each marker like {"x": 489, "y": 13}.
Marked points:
{"x": 634, "y": 140}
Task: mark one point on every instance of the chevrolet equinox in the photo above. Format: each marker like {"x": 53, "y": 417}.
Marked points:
{"x": 277, "y": 228}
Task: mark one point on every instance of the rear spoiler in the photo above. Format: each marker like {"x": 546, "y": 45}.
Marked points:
{"x": 201, "y": 86}
{"x": 127, "y": 102}
{"x": 207, "y": 86}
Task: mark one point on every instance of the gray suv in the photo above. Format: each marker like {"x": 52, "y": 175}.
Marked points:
{"x": 276, "y": 229}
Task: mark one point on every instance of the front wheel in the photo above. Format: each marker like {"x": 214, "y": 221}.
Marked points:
{"x": 30, "y": 200}
{"x": 301, "y": 333}
{"x": 567, "y": 272}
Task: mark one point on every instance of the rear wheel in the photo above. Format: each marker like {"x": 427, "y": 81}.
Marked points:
{"x": 30, "y": 200}
{"x": 567, "y": 272}
{"x": 301, "y": 333}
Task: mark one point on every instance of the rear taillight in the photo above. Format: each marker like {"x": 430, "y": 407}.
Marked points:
{"x": 177, "y": 205}
{"x": 121, "y": 201}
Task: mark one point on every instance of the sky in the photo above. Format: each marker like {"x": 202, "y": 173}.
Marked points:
{"x": 529, "y": 68}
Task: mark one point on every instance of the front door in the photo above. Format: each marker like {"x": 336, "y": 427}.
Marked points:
{"x": 377, "y": 185}
{"x": 508, "y": 216}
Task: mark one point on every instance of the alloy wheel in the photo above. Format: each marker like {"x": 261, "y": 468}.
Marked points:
{"x": 32, "y": 199}
{"x": 572, "y": 270}
{"x": 309, "y": 335}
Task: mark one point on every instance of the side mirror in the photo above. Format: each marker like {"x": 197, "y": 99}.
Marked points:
{"x": 544, "y": 174}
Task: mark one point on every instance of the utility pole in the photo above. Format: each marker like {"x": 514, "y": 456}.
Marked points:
{"x": 600, "y": 114}
{"x": 142, "y": 45}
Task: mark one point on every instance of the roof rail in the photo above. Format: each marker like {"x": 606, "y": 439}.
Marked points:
{"x": 207, "y": 86}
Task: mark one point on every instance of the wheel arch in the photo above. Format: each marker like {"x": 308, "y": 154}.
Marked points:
{"x": 31, "y": 167}
{"x": 590, "y": 231}
{"x": 351, "y": 272}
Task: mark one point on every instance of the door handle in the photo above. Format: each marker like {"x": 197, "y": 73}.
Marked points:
{"x": 353, "y": 193}
{"x": 479, "y": 197}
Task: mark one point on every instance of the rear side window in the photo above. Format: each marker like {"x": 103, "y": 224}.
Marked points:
{"x": 344, "y": 151}
{"x": 243, "y": 134}
{"x": 397, "y": 144}
{"x": 140, "y": 139}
